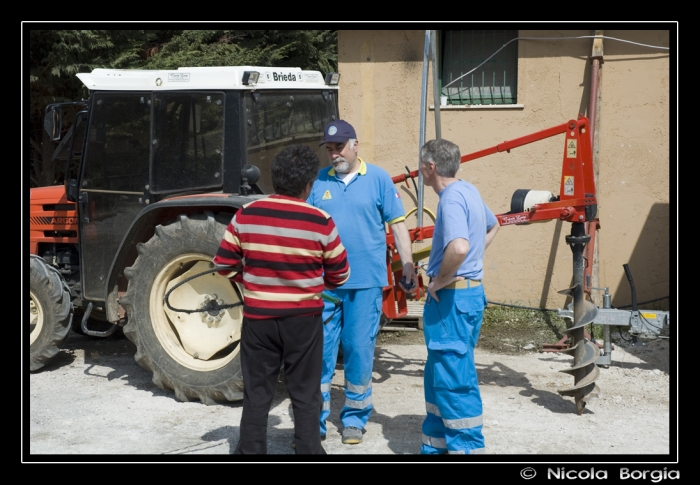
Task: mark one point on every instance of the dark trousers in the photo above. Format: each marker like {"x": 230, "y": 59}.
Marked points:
{"x": 265, "y": 345}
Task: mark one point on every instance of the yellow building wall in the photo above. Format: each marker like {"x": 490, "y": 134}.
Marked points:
{"x": 380, "y": 94}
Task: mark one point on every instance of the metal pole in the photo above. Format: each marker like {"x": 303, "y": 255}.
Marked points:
{"x": 436, "y": 85}
{"x": 421, "y": 138}
{"x": 607, "y": 345}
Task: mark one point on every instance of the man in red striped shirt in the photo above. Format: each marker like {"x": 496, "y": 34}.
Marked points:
{"x": 285, "y": 253}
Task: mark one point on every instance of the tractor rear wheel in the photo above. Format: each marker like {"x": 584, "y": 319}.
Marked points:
{"x": 196, "y": 354}
{"x": 50, "y": 312}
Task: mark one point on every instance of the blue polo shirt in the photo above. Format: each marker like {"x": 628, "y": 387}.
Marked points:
{"x": 359, "y": 211}
{"x": 461, "y": 214}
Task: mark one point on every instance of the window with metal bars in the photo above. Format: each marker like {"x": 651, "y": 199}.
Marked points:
{"x": 470, "y": 76}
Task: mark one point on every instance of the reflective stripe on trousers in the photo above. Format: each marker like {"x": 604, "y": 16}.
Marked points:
{"x": 440, "y": 445}
{"x": 358, "y": 389}
{"x": 459, "y": 423}
{"x": 351, "y": 403}
{"x": 475, "y": 451}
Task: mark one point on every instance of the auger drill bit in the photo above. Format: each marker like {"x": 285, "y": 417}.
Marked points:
{"x": 585, "y": 352}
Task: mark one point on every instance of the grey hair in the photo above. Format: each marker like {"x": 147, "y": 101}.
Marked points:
{"x": 444, "y": 154}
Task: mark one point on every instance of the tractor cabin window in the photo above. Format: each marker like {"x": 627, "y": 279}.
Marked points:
{"x": 188, "y": 141}
{"x": 468, "y": 78}
{"x": 277, "y": 119}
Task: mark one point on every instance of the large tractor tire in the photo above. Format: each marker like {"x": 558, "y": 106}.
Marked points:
{"x": 196, "y": 355}
{"x": 50, "y": 312}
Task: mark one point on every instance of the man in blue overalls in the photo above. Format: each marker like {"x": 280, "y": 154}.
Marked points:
{"x": 454, "y": 306}
{"x": 361, "y": 198}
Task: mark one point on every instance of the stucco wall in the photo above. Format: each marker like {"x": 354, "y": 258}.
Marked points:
{"x": 381, "y": 75}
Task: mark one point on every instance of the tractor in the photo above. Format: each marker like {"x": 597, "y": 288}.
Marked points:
{"x": 157, "y": 164}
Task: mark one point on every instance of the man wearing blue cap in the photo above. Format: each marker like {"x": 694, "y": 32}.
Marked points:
{"x": 360, "y": 198}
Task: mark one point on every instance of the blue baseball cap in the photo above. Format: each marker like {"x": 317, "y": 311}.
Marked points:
{"x": 338, "y": 132}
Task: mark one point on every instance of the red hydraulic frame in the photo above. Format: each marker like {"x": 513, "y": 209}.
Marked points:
{"x": 576, "y": 202}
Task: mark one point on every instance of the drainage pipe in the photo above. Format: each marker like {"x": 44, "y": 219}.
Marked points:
{"x": 596, "y": 59}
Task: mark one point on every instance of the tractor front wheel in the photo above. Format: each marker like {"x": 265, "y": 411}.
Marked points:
{"x": 195, "y": 352}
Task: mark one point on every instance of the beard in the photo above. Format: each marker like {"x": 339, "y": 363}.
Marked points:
{"x": 341, "y": 165}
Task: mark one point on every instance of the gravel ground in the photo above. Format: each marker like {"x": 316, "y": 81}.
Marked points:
{"x": 93, "y": 402}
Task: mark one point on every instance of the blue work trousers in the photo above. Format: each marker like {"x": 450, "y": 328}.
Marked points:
{"x": 452, "y": 399}
{"x": 354, "y": 324}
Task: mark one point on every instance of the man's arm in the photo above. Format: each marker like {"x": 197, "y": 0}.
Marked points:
{"x": 403, "y": 245}
{"x": 494, "y": 226}
{"x": 455, "y": 252}
{"x": 491, "y": 233}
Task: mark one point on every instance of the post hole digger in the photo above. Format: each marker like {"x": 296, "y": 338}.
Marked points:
{"x": 577, "y": 204}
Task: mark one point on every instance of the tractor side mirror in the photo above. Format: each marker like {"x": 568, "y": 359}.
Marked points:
{"x": 249, "y": 177}
{"x": 251, "y": 173}
{"x": 53, "y": 122}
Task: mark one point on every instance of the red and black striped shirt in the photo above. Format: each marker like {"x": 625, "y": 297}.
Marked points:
{"x": 289, "y": 252}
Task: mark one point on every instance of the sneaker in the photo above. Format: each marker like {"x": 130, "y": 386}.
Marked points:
{"x": 352, "y": 436}
{"x": 323, "y": 438}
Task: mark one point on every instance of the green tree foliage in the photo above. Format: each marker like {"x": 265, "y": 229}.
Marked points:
{"x": 307, "y": 49}
{"x": 56, "y": 56}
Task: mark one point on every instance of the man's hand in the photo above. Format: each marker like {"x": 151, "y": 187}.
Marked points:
{"x": 411, "y": 279}
{"x": 403, "y": 246}
{"x": 432, "y": 291}
{"x": 438, "y": 284}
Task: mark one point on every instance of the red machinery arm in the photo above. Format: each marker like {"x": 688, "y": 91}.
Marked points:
{"x": 501, "y": 147}
{"x": 577, "y": 188}
{"x": 576, "y": 202}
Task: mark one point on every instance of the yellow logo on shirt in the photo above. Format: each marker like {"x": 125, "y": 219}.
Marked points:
{"x": 326, "y": 195}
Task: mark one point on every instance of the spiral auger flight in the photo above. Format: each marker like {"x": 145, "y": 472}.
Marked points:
{"x": 584, "y": 370}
